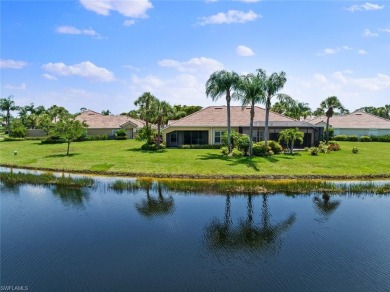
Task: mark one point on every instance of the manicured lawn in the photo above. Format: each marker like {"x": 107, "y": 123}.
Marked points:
{"x": 126, "y": 157}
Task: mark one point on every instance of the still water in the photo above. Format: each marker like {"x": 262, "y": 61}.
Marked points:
{"x": 96, "y": 239}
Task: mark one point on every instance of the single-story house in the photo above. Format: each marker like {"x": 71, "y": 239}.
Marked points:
{"x": 207, "y": 126}
{"x": 358, "y": 123}
{"x": 99, "y": 124}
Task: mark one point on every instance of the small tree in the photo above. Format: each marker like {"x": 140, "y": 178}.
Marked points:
{"x": 290, "y": 136}
{"x": 69, "y": 129}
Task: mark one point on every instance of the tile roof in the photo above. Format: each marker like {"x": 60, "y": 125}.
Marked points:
{"x": 216, "y": 116}
{"x": 355, "y": 120}
{"x": 96, "y": 120}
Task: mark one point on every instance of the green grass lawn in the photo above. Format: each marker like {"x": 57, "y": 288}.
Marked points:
{"x": 113, "y": 156}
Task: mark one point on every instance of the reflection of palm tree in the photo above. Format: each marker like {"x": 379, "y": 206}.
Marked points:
{"x": 71, "y": 196}
{"x": 324, "y": 206}
{"x": 218, "y": 232}
{"x": 248, "y": 234}
{"x": 151, "y": 207}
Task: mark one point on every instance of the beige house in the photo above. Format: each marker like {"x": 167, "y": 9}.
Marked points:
{"x": 99, "y": 124}
{"x": 207, "y": 126}
{"x": 357, "y": 123}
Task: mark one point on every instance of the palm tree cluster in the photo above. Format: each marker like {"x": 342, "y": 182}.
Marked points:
{"x": 153, "y": 111}
{"x": 383, "y": 111}
{"x": 250, "y": 89}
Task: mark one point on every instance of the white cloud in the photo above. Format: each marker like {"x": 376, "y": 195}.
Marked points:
{"x": 22, "y": 86}
{"x": 136, "y": 9}
{"x": 49, "y": 77}
{"x": 320, "y": 78}
{"x": 362, "y": 52}
{"x": 201, "y": 64}
{"x": 85, "y": 69}
{"x": 385, "y": 30}
{"x": 244, "y": 51}
{"x": 232, "y": 16}
{"x": 129, "y": 22}
{"x": 368, "y": 33}
{"x": 66, "y": 29}
{"x": 365, "y": 7}
{"x": 180, "y": 89}
{"x": 333, "y": 51}
{"x": 12, "y": 64}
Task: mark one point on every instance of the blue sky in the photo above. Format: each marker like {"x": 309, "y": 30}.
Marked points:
{"x": 103, "y": 54}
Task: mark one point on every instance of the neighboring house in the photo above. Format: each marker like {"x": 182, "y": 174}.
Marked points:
{"x": 99, "y": 124}
{"x": 357, "y": 123}
{"x": 207, "y": 126}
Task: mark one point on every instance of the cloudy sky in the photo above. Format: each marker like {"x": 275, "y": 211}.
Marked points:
{"x": 103, "y": 54}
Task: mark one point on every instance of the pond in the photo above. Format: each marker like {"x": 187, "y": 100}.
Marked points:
{"x": 57, "y": 238}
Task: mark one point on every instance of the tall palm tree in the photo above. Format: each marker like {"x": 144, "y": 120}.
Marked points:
{"x": 223, "y": 83}
{"x": 7, "y": 105}
{"x": 330, "y": 104}
{"x": 273, "y": 84}
{"x": 145, "y": 103}
{"x": 250, "y": 91}
{"x": 162, "y": 112}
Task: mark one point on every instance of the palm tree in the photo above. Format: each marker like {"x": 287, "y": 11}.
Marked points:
{"x": 8, "y": 105}
{"x": 290, "y": 136}
{"x": 145, "y": 103}
{"x": 250, "y": 91}
{"x": 223, "y": 83}
{"x": 273, "y": 84}
{"x": 330, "y": 104}
{"x": 162, "y": 112}
{"x": 155, "y": 207}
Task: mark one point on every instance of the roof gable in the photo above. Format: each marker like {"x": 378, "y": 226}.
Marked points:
{"x": 96, "y": 120}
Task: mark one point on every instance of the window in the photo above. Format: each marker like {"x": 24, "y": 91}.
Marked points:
{"x": 174, "y": 137}
{"x": 218, "y": 137}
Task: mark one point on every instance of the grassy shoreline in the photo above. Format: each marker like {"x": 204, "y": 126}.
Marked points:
{"x": 124, "y": 158}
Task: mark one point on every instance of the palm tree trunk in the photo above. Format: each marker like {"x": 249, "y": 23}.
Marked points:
{"x": 228, "y": 121}
{"x": 292, "y": 146}
{"x": 67, "y": 151}
{"x": 8, "y": 123}
{"x": 327, "y": 130}
{"x": 158, "y": 134}
{"x": 267, "y": 108}
{"x": 251, "y": 130}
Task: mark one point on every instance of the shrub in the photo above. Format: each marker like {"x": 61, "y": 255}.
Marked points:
{"x": 237, "y": 153}
{"x": 374, "y": 138}
{"x": 18, "y": 130}
{"x": 275, "y": 146}
{"x": 355, "y": 150}
{"x": 313, "y": 151}
{"x": 341, "y": 138}
{"x": 384, "y": 138}
{"x": 259, "y": 149}
{"x": 120, "y": 137}
{"x": 225, "y": 150}
{"x": 353, "y": 138}
{"x": 53, "y": 140}
{"x": 200, "y": 146}
{"x": 365, "y": 139}
{"x": 152, "y": 147}
{"x": 35, "y": 138}
{"x": 333, "y": 146}
{"x": 323, "y": 148}
{"x": 96, "y": 137}
{"x": 234, "y": 136}
{"x": 243, "y": 143}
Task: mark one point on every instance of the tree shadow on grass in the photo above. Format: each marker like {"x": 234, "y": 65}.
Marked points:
{"x": 61, "y": 155}
{"x": 146, "y": 151}
{"x": 247, "y": 161}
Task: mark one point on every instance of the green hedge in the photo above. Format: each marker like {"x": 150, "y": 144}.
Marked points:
{"x": 384, "y": 138}
{"x": 200, "y": 146}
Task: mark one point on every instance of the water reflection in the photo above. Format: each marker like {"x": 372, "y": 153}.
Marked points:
{"x": 248, "y": 234}
{"x": 75, "y": 197}
{"x": 324, "y": 206}
{"x": 155, "y": 206}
